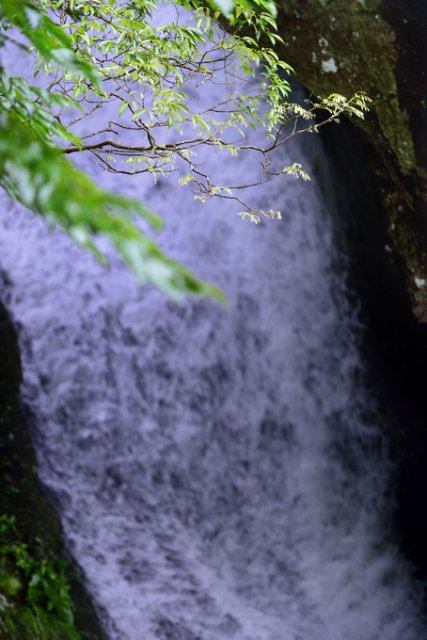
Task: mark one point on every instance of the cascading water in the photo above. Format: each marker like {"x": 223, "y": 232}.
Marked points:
{"x": 221, "y": 471}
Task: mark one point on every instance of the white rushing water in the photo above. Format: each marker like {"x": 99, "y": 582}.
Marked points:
{"x": 220, "y": 471}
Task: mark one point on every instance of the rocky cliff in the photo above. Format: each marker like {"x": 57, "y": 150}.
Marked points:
{"x": 376, "y": 46}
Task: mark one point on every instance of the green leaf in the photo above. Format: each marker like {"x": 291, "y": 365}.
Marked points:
{"x": 123, "y": 107}
{"x": 48, "y": 38}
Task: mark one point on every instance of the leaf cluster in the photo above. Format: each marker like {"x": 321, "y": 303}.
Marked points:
{"x": 33, "y": 584}
{"x": 35, "y": 171}
{"x": 99, "y": 56}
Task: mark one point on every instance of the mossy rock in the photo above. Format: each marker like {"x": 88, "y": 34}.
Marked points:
{"x": 348, "y": 46}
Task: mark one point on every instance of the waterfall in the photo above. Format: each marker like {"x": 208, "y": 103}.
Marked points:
{"x": 221, "y": 471}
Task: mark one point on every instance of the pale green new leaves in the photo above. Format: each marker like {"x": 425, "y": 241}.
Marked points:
{"x": 36, "y": 173}
{"x": 96, "y": 52}
{"x": 47, "y": 37}
{"x": 39, "y": 176}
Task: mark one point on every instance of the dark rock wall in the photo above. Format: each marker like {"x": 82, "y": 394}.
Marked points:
{"x": 408, "y": 19}
{"x": 346, "y": 46}
{"x": 30, "y": 532}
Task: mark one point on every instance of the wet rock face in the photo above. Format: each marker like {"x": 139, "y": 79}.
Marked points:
{"x": 29, "y": 524}
{"x": 408, "y": 19}
{"x": 377, "y": 47}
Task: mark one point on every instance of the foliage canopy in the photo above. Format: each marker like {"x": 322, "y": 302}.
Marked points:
{"x": 148, "y": 67}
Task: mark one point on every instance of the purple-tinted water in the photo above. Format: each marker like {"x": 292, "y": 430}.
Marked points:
{"x": 220, "y": 470}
